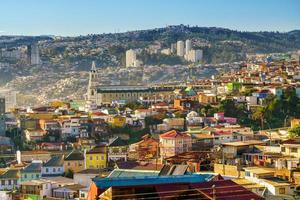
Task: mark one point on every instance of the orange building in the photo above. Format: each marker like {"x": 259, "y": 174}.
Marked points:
{"x": 295, "y": 122}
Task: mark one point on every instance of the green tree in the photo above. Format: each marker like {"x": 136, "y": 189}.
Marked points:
{"x": 69, "y": 173}
{"x": 228, "y": 107}
{"x": 260, "y": 113}
{"x": 294, "y": 132}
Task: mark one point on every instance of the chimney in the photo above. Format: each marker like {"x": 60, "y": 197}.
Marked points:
{"x": 19, "y": 157}
{"x": 84, "y": 155}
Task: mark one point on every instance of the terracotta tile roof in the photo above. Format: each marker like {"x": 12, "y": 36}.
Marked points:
{"x": 174, "y": 134}
{"x": 225, "y": 190}
{"x": 292, "y": 141}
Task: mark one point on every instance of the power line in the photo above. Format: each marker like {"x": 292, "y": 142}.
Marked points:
{"x": 186, "y": 190}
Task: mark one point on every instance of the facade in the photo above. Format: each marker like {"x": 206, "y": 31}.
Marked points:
{"x": 180, "y": 48}
{"x": 117, "y": 121}
{"x": 194, "y": 55}
{"x": 31, "y": 171}
{"x": 10, "y": 98}
{"x": 121, "y": 94}
{"x": 188, "y": 46}
{"x": 173, "y": 143}
{"x": 207, "y": 98}
{"x": 108, "y": 94}
{"x": 35, "y": 190}
{"x": 130, "y": 58}
{"x": 53, "y": 167}
{"x": 33, "y": 54}
{"x": 147, "y": 148}
{"x": 9, "y": 179}
{"x": 97, "y": 157}
{"x": 117, "y": 150}
{"x": 291, "y": 147}
{"x": 74, "y": 161}
{"x": 2, "y": 105}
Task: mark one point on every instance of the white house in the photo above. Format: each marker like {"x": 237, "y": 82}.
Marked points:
{"x": 53, "y": 167}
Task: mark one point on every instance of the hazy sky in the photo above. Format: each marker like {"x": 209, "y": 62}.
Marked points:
{"x": 81, "y": 17}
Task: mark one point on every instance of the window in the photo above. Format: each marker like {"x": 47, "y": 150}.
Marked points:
{"x": 97, "y": 158}
{"x": 9, "y": 182}
{"x": 37, "y": 176}
{"x": 47, "y": 170}
{"x": 58, "y": 169}
{"x": 91, "y": 158}
{"x": 2, "y": 182}
{"x": 102, "y": 157}
{"x": 69, "y": 164}
{"x": 15, "y": 182}
{"x": 247, "y": 173}
{"x": 283, "y": 149}
{"x": 281, "y": 190}
{"x": 25, "y": 175}
{"x": 54, "y": 170}
{"x": 294, "y": 150}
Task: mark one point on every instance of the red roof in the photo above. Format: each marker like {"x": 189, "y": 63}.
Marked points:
{"x": 99, "y": 114}
{"x": 223, "y": 133}
{"x": 295, "y": 140}
{"x": 174, "y": 134}
{"x": 161, "y": 104}
{"x": 225, "y": 190}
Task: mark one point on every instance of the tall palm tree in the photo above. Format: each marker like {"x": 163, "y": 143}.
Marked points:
{"x": 260, "y": 114}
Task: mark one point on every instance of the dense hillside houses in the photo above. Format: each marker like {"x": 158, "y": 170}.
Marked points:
{"x": 237, "y": 130}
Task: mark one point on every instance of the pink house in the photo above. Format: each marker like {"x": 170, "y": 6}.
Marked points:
{"x": 220, "y": 117}
{"x": 174, "y": 142}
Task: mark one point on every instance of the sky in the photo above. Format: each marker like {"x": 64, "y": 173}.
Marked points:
{"x": 82, "y": 17}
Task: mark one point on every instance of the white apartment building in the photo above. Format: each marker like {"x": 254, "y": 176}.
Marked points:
{"x": 180, "y": 48}
{"x": 130, "y": 58}
{"x": 10, "y": 98}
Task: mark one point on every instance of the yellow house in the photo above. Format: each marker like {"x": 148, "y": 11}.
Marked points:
{"x": 97, "y": 157}
{"x": 74, "y": 161}
{"x": 118, "y": 121}
{"x": 291, "y": 147}
{"x": 42, "y": 115}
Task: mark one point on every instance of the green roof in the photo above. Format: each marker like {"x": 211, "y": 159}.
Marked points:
{"x": 75, "y": 155}
{"x": 55, "y": 161}
{"x": 98, "y": 149}
{"x": 118, "y": 142}
{"x": 10, "y": 174}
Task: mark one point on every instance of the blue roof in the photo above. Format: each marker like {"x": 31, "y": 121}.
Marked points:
{"x": 107, "y": 182}
{"x": 132, "y": 173}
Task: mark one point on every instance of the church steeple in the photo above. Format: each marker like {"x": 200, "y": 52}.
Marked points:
{"x": 91, "y": 93}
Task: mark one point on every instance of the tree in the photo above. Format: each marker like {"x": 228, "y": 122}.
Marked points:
{"x": 228, "y": 107}
{"x": 69, "y": 173}
{"x": 260, "y": 114}
{"x": 294, "y": 132}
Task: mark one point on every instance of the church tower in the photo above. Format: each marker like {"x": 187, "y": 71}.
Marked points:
{"x": 92, "y": 90}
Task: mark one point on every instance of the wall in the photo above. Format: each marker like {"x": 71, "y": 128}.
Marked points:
{"x": 230, "y": 170}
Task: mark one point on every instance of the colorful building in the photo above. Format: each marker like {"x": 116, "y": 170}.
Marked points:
{"x": 97, "y": 157}
{"x": 74, "y": 161}
{"x": 174, "y": 142}
{"x": 117, "y": 149}
{"x": 32, "y": 171}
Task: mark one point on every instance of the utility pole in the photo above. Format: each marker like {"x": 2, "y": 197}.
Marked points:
{"x": 214, "y": 197}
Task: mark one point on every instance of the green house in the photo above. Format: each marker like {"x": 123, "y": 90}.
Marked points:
{"x": 31, "y": 172}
